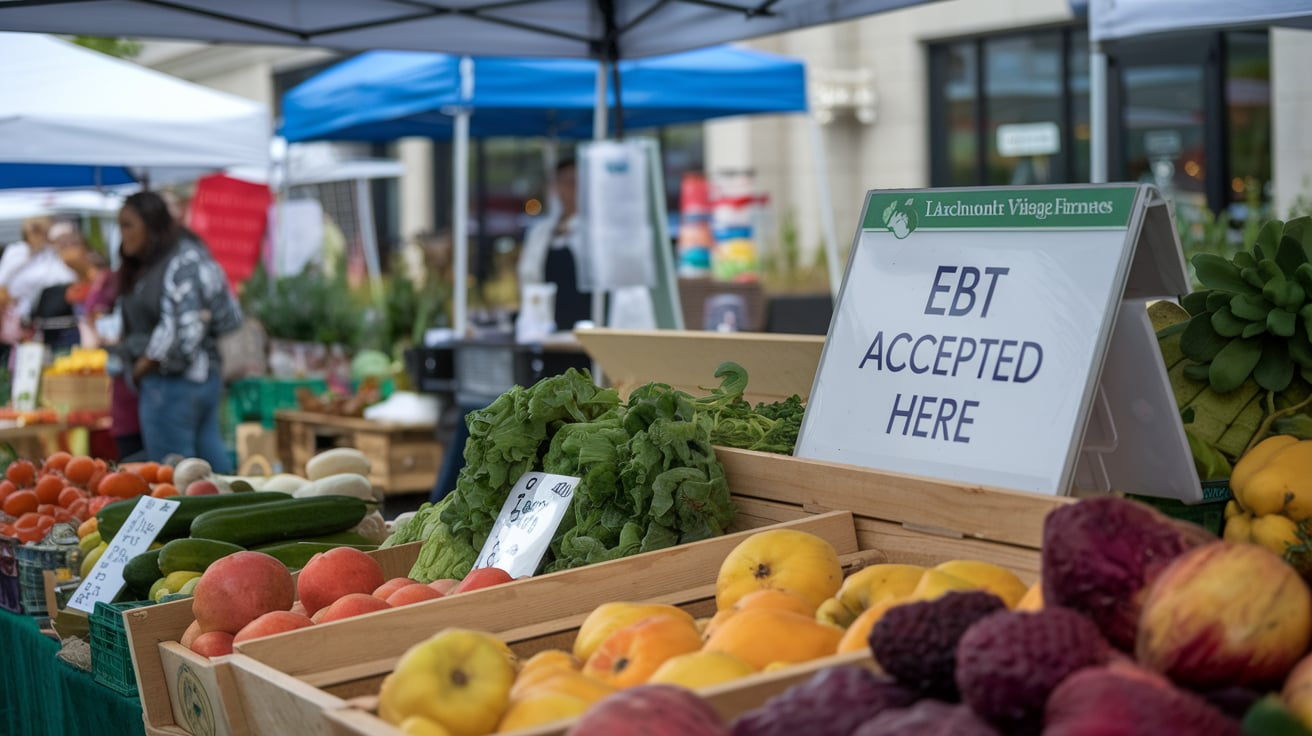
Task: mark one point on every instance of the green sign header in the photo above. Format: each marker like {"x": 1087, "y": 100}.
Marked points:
{"x": 904, "y": 212}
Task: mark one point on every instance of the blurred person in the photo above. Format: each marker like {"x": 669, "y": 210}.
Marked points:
{"x": 175, "y": 304}
{"x": 553, "y": 248}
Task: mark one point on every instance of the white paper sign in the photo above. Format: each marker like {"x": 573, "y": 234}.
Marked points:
{"x": 105, "y": 579}
{"x": 968, "y": 337}
{"x": 527, "y": 522}
{"x": 1029, "y": 139}
{"x": 29, "y": 358}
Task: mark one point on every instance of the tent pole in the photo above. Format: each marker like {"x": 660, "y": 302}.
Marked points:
{"x": 1098, "y": 123}
{"x": 599, "y": 119}
{"x": 826, "y": 206}
{"x": 369, "y": 239}
{"x": 460, "y": 190}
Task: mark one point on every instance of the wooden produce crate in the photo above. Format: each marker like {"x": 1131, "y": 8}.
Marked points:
{"x": 185, "y": 693}
{"x": 778, "y": 366}
{"x": 405, "y": 458}
{"x": 291, "y": 681}
{"x": 65, "y": 393}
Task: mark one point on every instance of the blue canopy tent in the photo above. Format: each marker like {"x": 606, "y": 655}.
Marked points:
{"x": 384, "y": 95}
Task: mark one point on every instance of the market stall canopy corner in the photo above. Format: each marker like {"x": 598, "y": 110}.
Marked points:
{"x": 1111, "y": 20}
{"x": 74, "y": 117}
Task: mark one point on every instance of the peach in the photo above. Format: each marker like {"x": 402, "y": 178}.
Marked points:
{"x": 391, "y": 586}
{"x": 351, "y": 604}
{"x": 190, "y": 634}
{"x": 483, "y": 577}
{"x": 444, "y": 585}
{"x": 273, "y": 622}
{"x": 240, "y": 588}
{"x": 416, "y": 593}
{"x": 213, "y": 644}
{"x": 329, "y": 576}
{"x": 202, "y": 488}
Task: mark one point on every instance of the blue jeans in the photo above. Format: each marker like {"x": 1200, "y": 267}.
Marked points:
{"x": 181, "y": 417}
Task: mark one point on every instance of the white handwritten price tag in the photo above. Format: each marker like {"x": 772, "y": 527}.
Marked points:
{"x": 527, "y": 522}
{"x": 105, "y": 579}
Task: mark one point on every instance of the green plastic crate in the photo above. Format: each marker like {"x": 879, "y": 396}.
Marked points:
{"x": 1210, "y": 514}
{"x": 111, "y": 659}
{"x": 257, "y": 399}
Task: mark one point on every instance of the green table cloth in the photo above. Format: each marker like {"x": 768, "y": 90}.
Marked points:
{"x": 43, "y": 696}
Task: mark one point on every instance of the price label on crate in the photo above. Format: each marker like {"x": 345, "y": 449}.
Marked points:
{"x": 105, "y": 579}
{"x": 527, "y": 522}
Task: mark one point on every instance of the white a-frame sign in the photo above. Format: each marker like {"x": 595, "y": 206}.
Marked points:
{"x": 999, "y": 337}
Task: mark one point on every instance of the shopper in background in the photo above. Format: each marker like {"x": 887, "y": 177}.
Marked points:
{"x": 175, "y": 304}
{"x": 553, "y": 249}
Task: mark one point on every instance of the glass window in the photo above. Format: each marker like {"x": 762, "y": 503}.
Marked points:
{"x": 1165, "y": 132}
{"x": 958, "y": 65}
{"x": 1077, "y": 85}
{"x": 1248, "y": 120}
{"x": 1023, "y": 90}
{"x": 1010, "y": 109}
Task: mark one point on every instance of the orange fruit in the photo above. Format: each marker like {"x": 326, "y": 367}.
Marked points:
{"x": 80, "y": 510}
{"x": 164, "y": 474}
{"x": 123, "y": 485}
{"x": 6, "y": 487}
{"x": 93, "y": 485}
{"x": 764, "y": 635}
{"x": 27, "y": 521}
{"x": 163, "y": 490}
{"x": 80, "y": 469}
{"x": 630, "y": 655}
{"x": 22, "y": 473}
{"x": 49, "y": 488}
{"x": 21, "y": 502}
{"x": 148, "y": 471}
{"x": 71, "y": 495}
{"x": 56, "y": 461}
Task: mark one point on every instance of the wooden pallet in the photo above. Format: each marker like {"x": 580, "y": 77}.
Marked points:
{"x": 405, "y": 457}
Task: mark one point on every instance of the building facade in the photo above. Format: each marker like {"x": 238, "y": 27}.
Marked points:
{"x": 952, "y": 93}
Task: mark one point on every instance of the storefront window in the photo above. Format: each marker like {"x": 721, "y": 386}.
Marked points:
{"x": 1248, "y": 117}
{"x": 1003, "y": 109}
{"x": 1023, "y": 95}
{"x": 1164, "y": 122}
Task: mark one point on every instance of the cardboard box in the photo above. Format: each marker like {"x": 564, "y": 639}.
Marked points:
{"x": 256, "y": 442}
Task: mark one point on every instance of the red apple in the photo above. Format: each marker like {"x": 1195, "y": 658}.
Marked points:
{"x": 483, "y": 577}
{"x": 202, "y": 488}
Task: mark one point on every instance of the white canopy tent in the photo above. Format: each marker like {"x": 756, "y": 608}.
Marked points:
{"x": 1113, "y": 20}
{"x": 61, "y": 104}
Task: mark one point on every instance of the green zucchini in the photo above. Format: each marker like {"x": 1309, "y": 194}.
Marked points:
{"x": 287, "y": 519}
{"x": 347, "y": 539}
{"x": 295, "y": 554}
{"x": 114, "y": 516}
{"x": 141, "y": 572}
{"x": 193, "y": 553}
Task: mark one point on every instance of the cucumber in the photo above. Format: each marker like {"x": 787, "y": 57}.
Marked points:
{"x": 141, "y": 572}
{"x": 287, "y": 519}
{"x": 112, "y": 517}
{"x": 340, "y": 539}
{"x": 193, "y": 553}
{"x": 295, "y": 554}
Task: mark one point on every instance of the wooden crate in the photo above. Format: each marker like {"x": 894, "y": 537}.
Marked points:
{"x": 185, "y": 693}
{"x": 405, "y": 458}
{"x": 778, "y": 366}
{"x": 291, "y": 681}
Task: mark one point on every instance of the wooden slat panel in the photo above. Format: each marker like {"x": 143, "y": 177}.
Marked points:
{"x": 387, "y": 634}
{"x": 778, "y": 366}
{"x": 979, "y": 512}
{"x": 918, "y": 548}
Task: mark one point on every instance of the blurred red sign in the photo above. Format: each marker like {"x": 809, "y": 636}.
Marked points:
{"x": 230, "y": 215}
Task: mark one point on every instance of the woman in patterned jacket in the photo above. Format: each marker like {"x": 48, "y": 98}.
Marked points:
{"x": 175, "y": 303}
